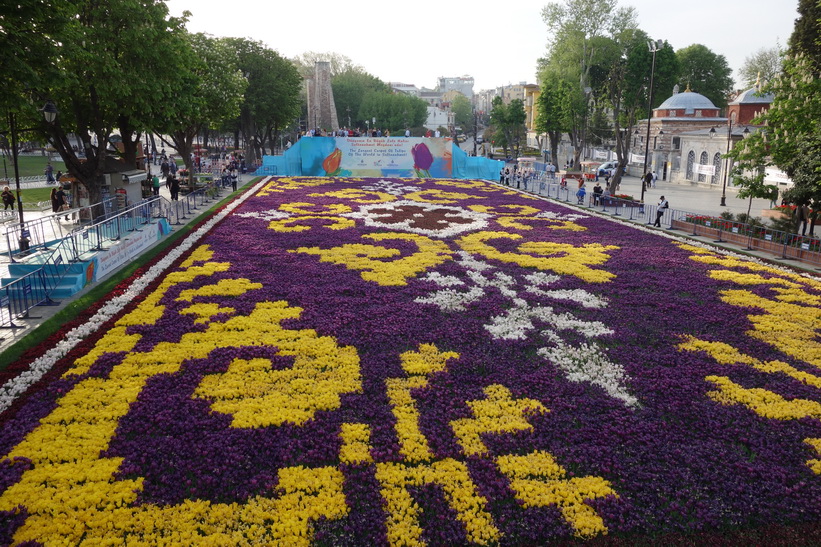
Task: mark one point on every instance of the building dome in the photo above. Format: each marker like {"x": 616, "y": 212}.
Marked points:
{"x": 753, "y": 96}
{"x": 689, "y": 101}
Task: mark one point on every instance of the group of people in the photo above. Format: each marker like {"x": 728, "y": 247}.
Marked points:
{"x": 517, "y": 176}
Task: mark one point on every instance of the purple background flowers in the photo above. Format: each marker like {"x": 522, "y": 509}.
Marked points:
{"x": 679, "y": 461}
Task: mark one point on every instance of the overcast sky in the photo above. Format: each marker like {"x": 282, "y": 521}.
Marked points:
{"x": 416, "y": 42}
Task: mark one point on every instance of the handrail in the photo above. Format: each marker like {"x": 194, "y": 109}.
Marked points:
{"x": 25, "y": 238}
{"x": 756, "y": 237}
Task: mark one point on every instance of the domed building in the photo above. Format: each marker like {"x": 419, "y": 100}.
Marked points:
{"x": 681, "y": 113}
{"x": 749, "y": 104}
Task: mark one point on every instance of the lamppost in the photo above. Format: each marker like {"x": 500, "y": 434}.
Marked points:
{"x": 727, "y": 161}
{"x": 653, "y": 47}
{"x": 49, "y": 114}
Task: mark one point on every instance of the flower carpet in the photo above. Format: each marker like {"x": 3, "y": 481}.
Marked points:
{"x": 345, "y": 361}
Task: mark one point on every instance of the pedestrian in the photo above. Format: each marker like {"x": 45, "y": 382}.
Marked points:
{"x": 501, "y": 176}
{"x": 581, "y": 193}
{"x": 654, "y": 179}
{"x": 155, "y": 184}
{"x": 234, "y": 179}
{"x": 175, "y": 188}
{"x": 58, "y": 176}
{"x": 49, "y": 172}
{"x": 597, "y": 192}
{"x": 8, "y": 199}
{"x": 662, "y": 207}
{"x": 647, "y": 180}
{"x": 58, "y": 200}
{"x": 507, "y": 176}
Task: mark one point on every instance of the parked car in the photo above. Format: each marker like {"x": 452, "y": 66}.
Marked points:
{"x": 607, "y": 168}
{"x": 462, "y": 137}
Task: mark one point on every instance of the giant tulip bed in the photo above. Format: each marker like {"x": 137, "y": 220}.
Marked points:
{"x": 343, "y": 361}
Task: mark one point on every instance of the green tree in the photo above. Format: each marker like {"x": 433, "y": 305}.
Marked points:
{"x": 762, "y": 66}
{"x": 213, "y": 96}
{"x": 791, "y": 136}
{"x": 551, "y": 117}
{"x": 628, "y": 87}
{"x": 579, "y": 53}
{"x": 806, "y": 37}
{"x": 29, "y": 40}
{"x": 112, "y": 74}
{"x": 272, "y": 99}
{"x": 462, "y": 112}
{"x": 705, "y": 72}
{"x": 508, "y": 120}
{"x": 349, "y": 88}
{"x": 393, "y": 112}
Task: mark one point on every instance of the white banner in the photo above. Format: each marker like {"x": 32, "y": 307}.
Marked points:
{"x": 635, "y": 158}
{"x": 127, "y": 249}
{"x": 704, "y": 169}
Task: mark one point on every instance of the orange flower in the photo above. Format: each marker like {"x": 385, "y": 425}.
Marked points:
{"x": 331, "y": 163}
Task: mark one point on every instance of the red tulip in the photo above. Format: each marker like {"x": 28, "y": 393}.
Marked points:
{"x": 331, "y": 163}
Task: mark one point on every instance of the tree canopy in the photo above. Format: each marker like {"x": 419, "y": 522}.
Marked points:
{"x": 705, "y": 72}
{"x": 350, "y": 88}
{"x": 762, "y": 67}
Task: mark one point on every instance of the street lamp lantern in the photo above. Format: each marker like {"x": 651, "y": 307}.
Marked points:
{"x": 49, "y": 112}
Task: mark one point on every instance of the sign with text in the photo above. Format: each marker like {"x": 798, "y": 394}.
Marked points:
{"x": 376, "y": 156}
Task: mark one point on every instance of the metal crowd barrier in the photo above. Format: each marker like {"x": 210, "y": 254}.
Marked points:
{"x": 18, "y": 298}
{"x": 39, "y": 234}
{"x": 756, "y": 238}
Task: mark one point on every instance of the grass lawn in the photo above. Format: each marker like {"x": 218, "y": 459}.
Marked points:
{"x": 32, "y": 196}
{"x": 30, "y": 166}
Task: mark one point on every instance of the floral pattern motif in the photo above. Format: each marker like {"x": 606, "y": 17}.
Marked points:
{"x": 353, "y": 361}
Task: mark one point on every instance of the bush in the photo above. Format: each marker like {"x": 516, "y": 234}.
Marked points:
{"x": 744, "y": 218}
{"x": 727, "y": 215}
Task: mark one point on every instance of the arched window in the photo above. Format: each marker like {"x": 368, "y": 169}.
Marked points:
{"x": 717, "y": 168}
{"x": 691, "y": 159}
{"x": 702, "y": 161}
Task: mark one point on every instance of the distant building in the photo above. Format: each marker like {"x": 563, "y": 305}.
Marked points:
{"x": 462, "y": 84}
{"x": 748, "y": 105}
{"x": 681, "y": 113}
{"x": 407, "y": 89}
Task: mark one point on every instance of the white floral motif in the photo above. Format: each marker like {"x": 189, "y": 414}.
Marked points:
{"x": 271, "y": 214}
{"x": 585, "y": 363}
{"x": 390, "y": 187}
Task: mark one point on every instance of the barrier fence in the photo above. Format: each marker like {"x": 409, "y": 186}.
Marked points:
{"x": 752, "y": 237}
{"x": 55, "y": 256}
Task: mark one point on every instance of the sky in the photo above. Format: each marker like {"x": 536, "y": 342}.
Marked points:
{"x": 496, "y": 43}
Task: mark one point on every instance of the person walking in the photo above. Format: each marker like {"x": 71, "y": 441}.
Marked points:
{"x": 655, "y": 177}
{"x": 234, "y": 179}
{"x": 647, "y": 180}
{"x": 662, "y": 207}
{"x": 155, "y": 184}
{"x": 49, "y": 172}
{"x": 8, "y": 198}
{"x": 175, "y": 188}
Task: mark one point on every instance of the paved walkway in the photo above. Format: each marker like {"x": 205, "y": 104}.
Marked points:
{"x": 8, "y": 337}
